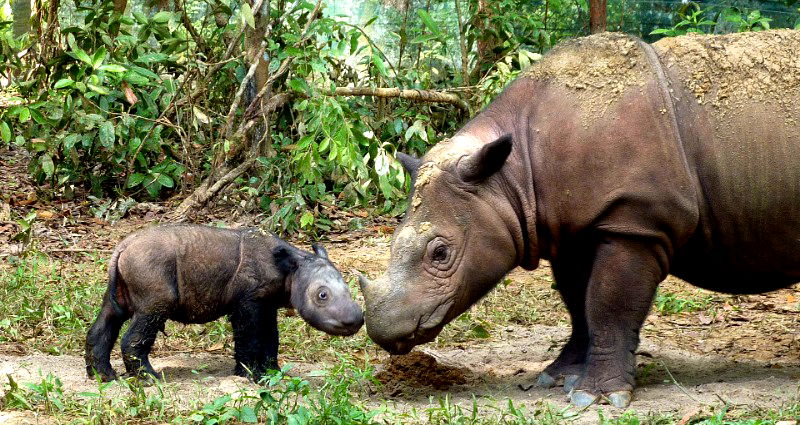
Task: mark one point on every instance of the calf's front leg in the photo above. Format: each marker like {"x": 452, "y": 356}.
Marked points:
{"x": 255, "y": 336}
{"x": 623, "y": 281}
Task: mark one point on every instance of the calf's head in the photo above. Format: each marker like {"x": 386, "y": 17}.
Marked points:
{"x": 457, "y": 241}
{"x": 318, "y": 292}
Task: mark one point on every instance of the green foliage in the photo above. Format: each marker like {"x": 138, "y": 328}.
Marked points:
{"x": 692, "y": 20}
{"x": 752, "y": 21}
{"x": 126, "y": 105}
{"x": 667, "y": 303}
{"x": 46, "y": 304}
{"x": 93, "y": 119}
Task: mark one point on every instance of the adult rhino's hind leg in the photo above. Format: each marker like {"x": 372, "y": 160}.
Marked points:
{"x": 621, "y": 288}
{"x": 100, "y": 341}
{"x": 571, "y": 273}
{"x": 138, "y": 341}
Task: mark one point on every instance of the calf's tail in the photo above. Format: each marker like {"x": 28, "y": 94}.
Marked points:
{"x": 112, "y": 282}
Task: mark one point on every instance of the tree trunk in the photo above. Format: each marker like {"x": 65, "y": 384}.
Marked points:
{"x": 463, "y": 44}
{"x": 252, "y": 42}
{"x": 597, "y": 16}
{"x": 120, "y": 5}
{"x": 21, "y": 9}
{"x": 486, "y": 42}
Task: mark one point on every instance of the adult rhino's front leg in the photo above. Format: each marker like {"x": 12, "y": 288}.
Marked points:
{"x": 571, "y": 271}
{"x": 623, "y": 281}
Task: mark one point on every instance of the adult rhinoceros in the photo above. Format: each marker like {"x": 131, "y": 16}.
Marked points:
{"x": 620, "y": 163}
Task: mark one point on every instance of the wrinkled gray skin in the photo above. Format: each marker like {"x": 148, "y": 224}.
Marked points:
{"x": 196, "y": 274}
{"x": 659, "y": 183}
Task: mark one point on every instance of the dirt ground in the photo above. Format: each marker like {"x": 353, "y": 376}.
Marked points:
{"x": 740, "y": 350}
{"x": 747, "y": 355}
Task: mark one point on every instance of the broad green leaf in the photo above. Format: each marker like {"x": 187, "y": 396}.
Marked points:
{"x": 135, "y": 78}
{"x": 379, "y": 64}
{"x": 153, "y": 187}
{"x": 112, "y": 68}
{"x": 39, "y": 118}
{"x": 98, "y": 89}
{"x": 165, "y": 180}
{"x": 5, "y": 132}
{"x": 107, "y": 134}
{"x": 428, "y": 21}
{"x": 306, "y": 219}
{"x": 99, "y": 57}
{"x": 299, "y": 85}
{"x": 81, "y": 55}
{"x": 248, "y": 415}
{"x": 247, "y": 15}
{"x": 47, "y": 165}
{"x": 64, "y": 82}
{"x": 24, "y": 115}
{"x": 140, "y": 17}
{"x": 150, "y": 58}
{"x": 479, "y": 331}
{"x": 161, "y": 17}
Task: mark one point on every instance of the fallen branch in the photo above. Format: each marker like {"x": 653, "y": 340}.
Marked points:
{"x": 417, "y": 95}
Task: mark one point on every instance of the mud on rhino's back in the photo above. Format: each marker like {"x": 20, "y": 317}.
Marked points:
{"x": 738, "y": 107}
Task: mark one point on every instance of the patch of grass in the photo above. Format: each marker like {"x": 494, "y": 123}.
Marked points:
{"x": 279, "y": 398}
{"x": 48, "y": 303}
{"x": 667, "y": 302}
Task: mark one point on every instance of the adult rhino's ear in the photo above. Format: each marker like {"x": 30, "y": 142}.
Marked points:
{"x": 486, "y": 161}
{"x": 319, "y": 250}
{"x": 286, "y": 259}
{"x": 410, "y": 163}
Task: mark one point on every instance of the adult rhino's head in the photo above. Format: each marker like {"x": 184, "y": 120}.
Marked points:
{"x": 460, "y": 236}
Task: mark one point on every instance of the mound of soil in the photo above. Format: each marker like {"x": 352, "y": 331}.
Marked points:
{"x": 406, "y": 375}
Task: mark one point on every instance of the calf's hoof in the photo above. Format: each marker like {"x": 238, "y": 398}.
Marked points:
{"x": 105, "y": 376}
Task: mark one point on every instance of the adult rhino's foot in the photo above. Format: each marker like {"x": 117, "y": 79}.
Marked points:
{"x": 560, "y": 374}
{"x": 618, "y": 399}
{"x": 545, "y": 380}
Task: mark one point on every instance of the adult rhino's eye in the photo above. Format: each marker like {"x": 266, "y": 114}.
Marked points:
{"x": 440, "y": 256}
{"x": 323, "y": 295}
{"x": 439, "y": 253}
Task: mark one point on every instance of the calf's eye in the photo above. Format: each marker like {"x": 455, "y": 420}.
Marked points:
{"x": 323, "y": 295}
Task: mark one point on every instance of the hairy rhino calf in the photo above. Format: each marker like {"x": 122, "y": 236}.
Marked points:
{"x": 196, "y": 274}
{"x": 619, "y": 162}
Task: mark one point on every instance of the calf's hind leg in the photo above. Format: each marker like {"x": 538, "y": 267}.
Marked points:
{"x": 100, "y": 341}
{"x": 138, "y": 341}
{"x": 255, "y": 336}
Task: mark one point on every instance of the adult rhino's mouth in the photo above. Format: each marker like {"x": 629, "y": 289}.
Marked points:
{"x": 428, "y": 328}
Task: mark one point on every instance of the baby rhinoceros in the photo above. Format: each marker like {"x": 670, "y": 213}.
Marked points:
{"x": 196, "y": 274}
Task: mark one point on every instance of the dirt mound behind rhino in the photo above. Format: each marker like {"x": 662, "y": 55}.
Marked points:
{"x": 408, "y": 374}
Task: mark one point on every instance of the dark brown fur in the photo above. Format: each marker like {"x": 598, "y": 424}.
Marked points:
{"x": 196, "y": 274}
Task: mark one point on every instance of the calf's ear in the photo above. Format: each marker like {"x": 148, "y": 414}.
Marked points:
{"x": 285, "y": 259}
{"x": 319, "y": 250}
{"x": 410, "y": 163}
{"x": 487, "y": 160}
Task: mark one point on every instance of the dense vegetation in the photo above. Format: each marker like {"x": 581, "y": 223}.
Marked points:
{"x": 132, "y": 100}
